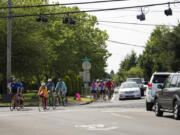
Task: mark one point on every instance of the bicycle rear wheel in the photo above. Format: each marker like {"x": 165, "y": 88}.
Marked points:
{"x": 40, "y": 106}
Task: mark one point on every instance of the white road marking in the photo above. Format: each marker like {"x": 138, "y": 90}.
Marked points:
{"x": 122, "y": 115}
{"x": 96, "y": 127}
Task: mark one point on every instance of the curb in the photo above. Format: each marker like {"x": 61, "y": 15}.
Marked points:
{"x": 86, "y": 103}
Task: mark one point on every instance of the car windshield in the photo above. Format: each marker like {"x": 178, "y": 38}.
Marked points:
{"x": 129, "y": 85}
{"x": 138, "y": 81}
{"x": 159, "y": 78}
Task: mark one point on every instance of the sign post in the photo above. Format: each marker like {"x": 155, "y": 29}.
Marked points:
{"x": 86, "y": 65}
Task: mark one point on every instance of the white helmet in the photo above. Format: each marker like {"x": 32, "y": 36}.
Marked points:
{"x": 43, "y": 84}
{"x": 49, "y": 80}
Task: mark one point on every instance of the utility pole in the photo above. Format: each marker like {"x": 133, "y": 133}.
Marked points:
{"x": 9, "y": 38}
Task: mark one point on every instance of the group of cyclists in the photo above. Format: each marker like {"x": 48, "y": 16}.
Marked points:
{"x": 49, "y": 90}
{"x": 54, "y": 92}
{"x": 100, "y": 89}
{"x": 16, "y": 90}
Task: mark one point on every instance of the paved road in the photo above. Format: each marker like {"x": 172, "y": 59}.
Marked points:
{"x": 127, "y": 117}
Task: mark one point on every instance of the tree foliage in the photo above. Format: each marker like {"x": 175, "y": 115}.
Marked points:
{"x": 161, "y": 54}
{"x": 51, "y": 50}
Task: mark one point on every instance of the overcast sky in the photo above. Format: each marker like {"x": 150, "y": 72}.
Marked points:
{"x": 132, "y": 34}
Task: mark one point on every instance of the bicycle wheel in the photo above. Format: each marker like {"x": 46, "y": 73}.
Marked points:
{"x": 40, "y": 106}
{"x": 48, "y": 103}
{"x": 63, "y": 103}
{"x": 18, "y": 107}
{"x": 11, "y": 105}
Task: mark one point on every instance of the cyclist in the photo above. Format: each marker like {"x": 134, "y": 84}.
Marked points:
{"x": 93, "y": 90}
{"x": 20, "y": 91}
{"x": 43, "y": 94}
{"x": 51, "y": 90}
{"x": 109, "y": 85}
{"x": 61, "y": 88}
{"x": 102, "y": 88}
{"x": 13, "y": 91}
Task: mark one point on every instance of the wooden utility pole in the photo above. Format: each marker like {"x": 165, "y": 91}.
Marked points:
{"x": 9, "y": 38}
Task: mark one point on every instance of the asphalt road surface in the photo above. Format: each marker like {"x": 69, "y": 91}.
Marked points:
{"x": 127, "y": 117}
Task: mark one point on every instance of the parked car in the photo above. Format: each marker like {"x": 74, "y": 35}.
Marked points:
{"x": 157, "y": 78}
{"x": 129, "y": 90}
{"x": 145, "y": 84}
{"x": 168, "y": 98}
{"x": 139, "y": 82}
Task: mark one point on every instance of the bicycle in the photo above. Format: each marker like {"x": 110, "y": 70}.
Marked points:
{"x": 51, "y": 101}
{"x": 41, "y": 105}
{"x": 17, "y": 102}
{"x": 62, "y": 99}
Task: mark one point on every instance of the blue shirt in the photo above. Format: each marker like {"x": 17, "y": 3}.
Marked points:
{"x": 61, "y": 86}
{"x": 14, "y": 87}
{"x": 50, "y": 86}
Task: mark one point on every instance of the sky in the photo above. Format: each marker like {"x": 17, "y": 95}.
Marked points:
{"x": 127, "y": 33}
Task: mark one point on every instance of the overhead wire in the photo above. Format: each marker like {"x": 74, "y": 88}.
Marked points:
{"x": 64, "y": 4}
{"x": 145, "y": 24}
{"x": 98, "y": 10}
{"x": 127, "y": 29}
{"x": 122, "y": 43}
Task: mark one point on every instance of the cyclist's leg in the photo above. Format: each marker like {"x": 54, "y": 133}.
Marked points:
{"x": 45, "y": 102}
{"x": 15, "y": 100}
{"x": 53, "y": 99}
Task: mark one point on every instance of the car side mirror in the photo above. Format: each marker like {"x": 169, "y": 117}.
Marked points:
{"x": 160, "y": 86}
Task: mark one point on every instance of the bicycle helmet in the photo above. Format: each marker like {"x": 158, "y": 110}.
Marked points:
{"x": 43, "y": 84}
{"x": 49, "y": 80}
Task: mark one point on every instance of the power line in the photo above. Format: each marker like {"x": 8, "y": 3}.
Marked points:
{"x": 122, "y": 43}
{"x": 97, "y": 10}
{"x": 135, "y": 23}
{"x": 126, "y": 29}
{"x": 65, "y": 4}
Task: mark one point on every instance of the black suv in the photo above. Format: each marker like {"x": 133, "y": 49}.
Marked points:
{"x": 168, "y": 98}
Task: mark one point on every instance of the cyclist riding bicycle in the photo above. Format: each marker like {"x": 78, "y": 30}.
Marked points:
{"x": 61, "y": 88}
{"x": 43, "y": 94}
{"x": 51, "y": 90}
{"x": 14, "y": 91}
{"x": 20, "y": 91}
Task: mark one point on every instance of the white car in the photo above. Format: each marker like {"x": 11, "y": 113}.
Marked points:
{"x": 129, "y": 90}
{"x": 158, "y": 78}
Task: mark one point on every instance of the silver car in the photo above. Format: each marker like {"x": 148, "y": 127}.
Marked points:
{"x": 129, "y": 90}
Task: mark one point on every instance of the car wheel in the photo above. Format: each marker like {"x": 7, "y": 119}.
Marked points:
{"x": 158, "y": 112}
{"x": 176, "y": 111}
{"x": 149, "y": 106}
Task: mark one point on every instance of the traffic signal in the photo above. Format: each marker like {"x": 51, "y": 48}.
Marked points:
{"x": 72, "y": 21}
{"x": 38, "y": 19}
{"x": 141, "y": 17}
{"x": 65, "y": 20}
{"x": 44, "y": 19}
{"x": 41, "y": 18}
{"x": 168, "y": 11}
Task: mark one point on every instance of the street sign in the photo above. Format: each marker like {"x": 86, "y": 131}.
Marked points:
{"x": 86, "y": 59}
{"x": 86, "y": 65}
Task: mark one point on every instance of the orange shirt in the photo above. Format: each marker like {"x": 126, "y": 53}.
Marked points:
{"x": 43, "y": 90}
